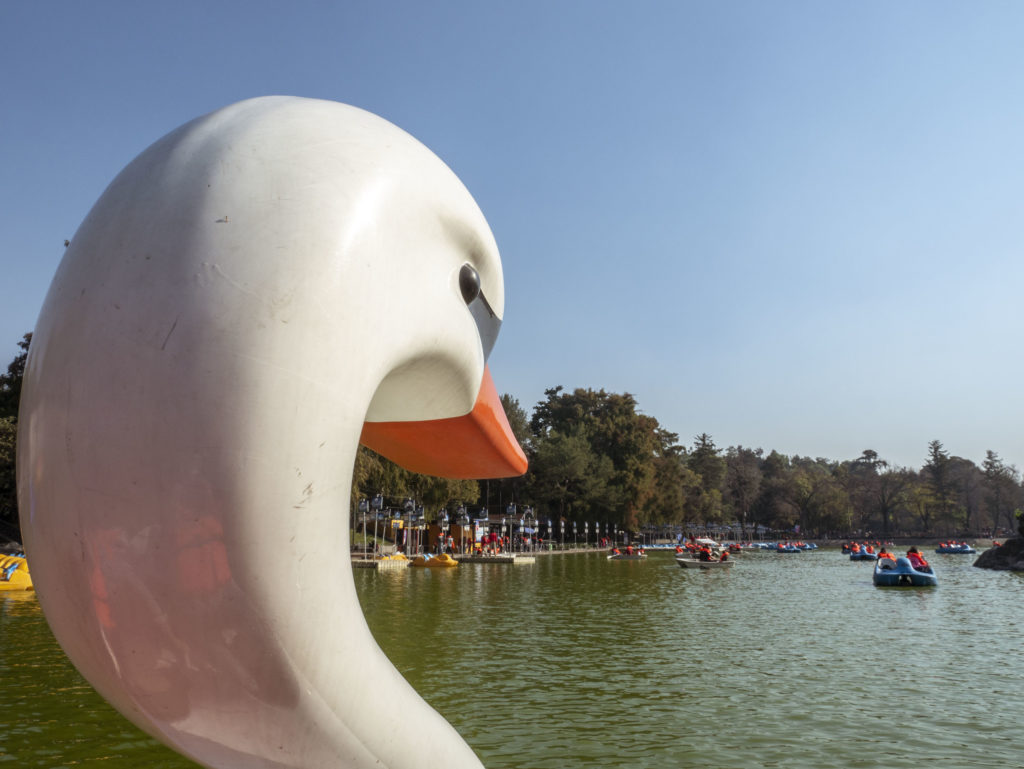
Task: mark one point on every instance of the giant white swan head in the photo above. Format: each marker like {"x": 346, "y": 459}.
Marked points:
{"x": 252, "y": 295}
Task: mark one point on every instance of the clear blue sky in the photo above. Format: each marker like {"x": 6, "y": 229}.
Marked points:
{"x": 791, "y": 225}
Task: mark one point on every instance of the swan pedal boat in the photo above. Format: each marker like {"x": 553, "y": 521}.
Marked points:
{"x": 899, "y": 573}
{"x": 210, "y": 355}
{"x": 441, "y": 561}
{"x": 14, "y": 573}
{"x": 696, "y": 563}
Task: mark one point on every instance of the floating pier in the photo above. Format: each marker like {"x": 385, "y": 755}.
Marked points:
{"x": 500, "y": 558}
{"x": 381, "y": 564}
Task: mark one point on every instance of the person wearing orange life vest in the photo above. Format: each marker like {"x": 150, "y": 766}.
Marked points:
{"x": 916, "y": 559}
{"x": 883, "y": 553}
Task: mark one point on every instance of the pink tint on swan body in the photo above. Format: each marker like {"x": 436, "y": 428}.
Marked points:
{"x": 242, "y": 298}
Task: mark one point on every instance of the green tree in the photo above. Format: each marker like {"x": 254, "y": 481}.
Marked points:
{"x": 10, "y": 397}
{"x": 508, "y": 490}
{"x": 617, "y": 436}
{"x": 923, "y": 504}
{"x": 374, "y": 474}
{"x": 8, "y": 480}
{"x": 772, "y": 508}
{"x": 876, "y": 490}
{"x": 968, "y": 488}
{"x": 673, "y": 483}
{"x": 815, "y": 492}
{"x": 709, "y": 466}
{"x": 517, "y": 420}
{"x": 743, "y": 478}
{"x": 10, "y": 383}
{"x": 1002, "y": 490}
{"x": 938, "y": 474}
{"x": 570, "y": 480}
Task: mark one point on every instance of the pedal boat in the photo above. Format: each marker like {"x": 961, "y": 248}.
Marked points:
{"x": 963, "y": 549}
{"x": 899, "y": 573}
{"x": 14, "y": 574}
{"x": 863, "y": 555}
{"x": 442, "y": 561}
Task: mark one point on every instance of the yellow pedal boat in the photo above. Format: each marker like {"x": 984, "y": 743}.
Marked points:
{"x": 14, "y": 574}
{"x": 436, "y": 561}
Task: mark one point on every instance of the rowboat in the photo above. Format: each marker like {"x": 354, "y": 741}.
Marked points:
{"x": 696, "y": 563}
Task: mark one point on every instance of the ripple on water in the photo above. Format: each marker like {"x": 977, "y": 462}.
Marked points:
{"x": 782, "y": 661}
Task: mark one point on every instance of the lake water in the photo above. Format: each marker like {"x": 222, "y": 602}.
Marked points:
{"x": 783, "y": 661}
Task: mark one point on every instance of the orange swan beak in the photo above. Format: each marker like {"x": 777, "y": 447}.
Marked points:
{"x": 477, "y": 445}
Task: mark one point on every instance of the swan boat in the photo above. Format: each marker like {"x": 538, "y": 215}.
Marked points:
{"x": 900, "y": 573}
{"x": 253, "y": 296}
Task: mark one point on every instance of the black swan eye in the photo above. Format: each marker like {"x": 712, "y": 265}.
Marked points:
{"x": 469, "y": 283}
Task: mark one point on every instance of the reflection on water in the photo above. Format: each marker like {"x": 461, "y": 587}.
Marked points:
{"x": 782, "y": 661}
{"x": 49, "y": 716}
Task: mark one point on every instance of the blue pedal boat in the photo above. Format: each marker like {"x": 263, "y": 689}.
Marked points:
{"x": 863, "y": 555}
{"x": 899, "y": 573}
{"x": 955, "y": 549}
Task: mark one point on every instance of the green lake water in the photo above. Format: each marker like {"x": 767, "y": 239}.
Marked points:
{"x": 783, "y": 661}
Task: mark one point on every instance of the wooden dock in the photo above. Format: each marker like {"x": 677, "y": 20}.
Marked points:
{"x": 387, "y": 564}
{"x": 381, "y": 564}
{"x": 513, "y": 558}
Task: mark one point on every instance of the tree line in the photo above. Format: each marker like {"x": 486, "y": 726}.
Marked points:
{"x": 595, "y": 457}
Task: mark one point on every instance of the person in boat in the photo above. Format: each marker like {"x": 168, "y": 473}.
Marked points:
{"x": 615, "y": 551}
{"x": 916, "y": 559}
{"x": 883, "y": 553}
{"x": 629, "y": 550}
{"x": 705, "y": 553}
{"x": 725, "y": 556}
